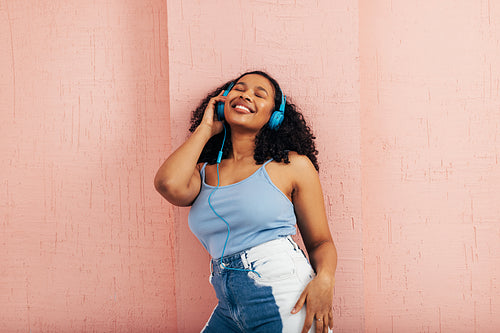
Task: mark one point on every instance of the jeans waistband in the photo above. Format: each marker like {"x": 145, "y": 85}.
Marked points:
{"x": 241, "y": 260}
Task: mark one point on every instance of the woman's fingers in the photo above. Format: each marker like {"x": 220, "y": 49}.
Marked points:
{"x": 324, "y": 323}
{"x": 321, "y": 316}
{"x": 210, "y": 110}
{"x": 300, "y": 303}
{"x": 308, "y": 323}
{"x": 210, "y": 118}
{"x": 320, "y": 324}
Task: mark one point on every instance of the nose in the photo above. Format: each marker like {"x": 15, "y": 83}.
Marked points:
{"x": 244, "y": 95}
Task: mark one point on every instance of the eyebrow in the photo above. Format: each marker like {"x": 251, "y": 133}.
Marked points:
{"x": 258, "y": 87}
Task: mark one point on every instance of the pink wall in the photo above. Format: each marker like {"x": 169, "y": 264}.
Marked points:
{"x": 403, "y": 99}
{"x": 430, "y": 148}
{"x": 85, "y": 240}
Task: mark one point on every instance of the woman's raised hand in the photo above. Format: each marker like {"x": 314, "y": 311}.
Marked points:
{"x": 210, "y": 118}
{"x": 178, "y": 179}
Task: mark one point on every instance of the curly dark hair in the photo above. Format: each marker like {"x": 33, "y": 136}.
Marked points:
{"x": 293, "y": 134}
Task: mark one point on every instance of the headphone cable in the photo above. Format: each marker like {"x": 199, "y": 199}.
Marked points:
{"x": 219, "y": 158}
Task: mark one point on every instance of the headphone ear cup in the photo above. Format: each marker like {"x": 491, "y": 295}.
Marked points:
{"x": 220, "y": 111}
{"x": 219, "y": 108}
{"x": 276, "y": 120}
{"x": 278, "y": 115}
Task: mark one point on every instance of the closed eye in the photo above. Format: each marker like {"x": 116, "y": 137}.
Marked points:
{"x": 258, "y": 92}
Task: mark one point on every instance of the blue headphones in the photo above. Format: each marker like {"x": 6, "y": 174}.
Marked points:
{"x": 276, "y": 118}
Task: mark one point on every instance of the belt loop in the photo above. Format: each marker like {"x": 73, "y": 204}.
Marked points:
{"x": 244, "y": 260}
{"x": 211, "y": 266}
{"x": 295, "y": 246}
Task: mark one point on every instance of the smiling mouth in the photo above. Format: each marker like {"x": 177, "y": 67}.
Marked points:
{"x": 242, "y": 108}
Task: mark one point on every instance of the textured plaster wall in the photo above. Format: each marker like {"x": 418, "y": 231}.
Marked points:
{"x": 430, "y": 124}
{"x": 84, "y": 237}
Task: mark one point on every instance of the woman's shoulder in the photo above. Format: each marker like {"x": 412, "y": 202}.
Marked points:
{"x": 292, "y": 176}
{"x": 302, "y": 172}
{"x": 299, "y": 165}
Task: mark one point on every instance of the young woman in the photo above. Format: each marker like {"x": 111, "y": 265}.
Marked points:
{"x": 249, "y": 171}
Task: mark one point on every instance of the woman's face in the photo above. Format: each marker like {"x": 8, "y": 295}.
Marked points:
{"x": 250, "y": 103}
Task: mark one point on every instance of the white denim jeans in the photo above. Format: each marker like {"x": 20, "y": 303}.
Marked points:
{"x": 257, "y": 289}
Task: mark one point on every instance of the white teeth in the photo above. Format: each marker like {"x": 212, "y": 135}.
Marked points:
{"x": 241, "y": 107}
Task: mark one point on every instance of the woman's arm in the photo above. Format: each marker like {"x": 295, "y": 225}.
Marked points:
{"x": 178, "y": 179}
{"x": 311, "y": 218}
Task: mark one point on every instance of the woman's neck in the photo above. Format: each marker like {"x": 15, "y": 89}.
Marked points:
{"x": 243, "y": 146}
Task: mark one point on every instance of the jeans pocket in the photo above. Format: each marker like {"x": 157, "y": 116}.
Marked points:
{"x": 274, "y": 267}
{"x": 303, "y": 268}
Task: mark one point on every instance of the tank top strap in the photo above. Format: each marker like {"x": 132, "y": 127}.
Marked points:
{"x": 267, "y": 162}
{"x": 202, "y": 171}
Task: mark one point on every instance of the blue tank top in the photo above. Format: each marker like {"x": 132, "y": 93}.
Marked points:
{"x": 255, "y": 209}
